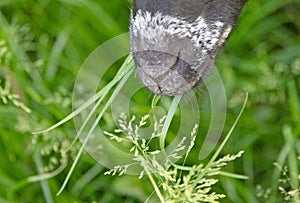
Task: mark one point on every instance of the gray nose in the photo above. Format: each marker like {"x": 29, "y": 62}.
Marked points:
{"x": 165, "y": 73}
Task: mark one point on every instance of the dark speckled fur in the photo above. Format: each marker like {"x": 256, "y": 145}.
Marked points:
{"x": 183, "y": 64}
{"x": 212, "y": 10}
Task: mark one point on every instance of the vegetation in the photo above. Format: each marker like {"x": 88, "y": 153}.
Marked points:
{"x": 43, "y": 45}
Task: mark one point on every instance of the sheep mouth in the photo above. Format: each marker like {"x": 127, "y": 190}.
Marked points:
{"x": 165, "y": 73}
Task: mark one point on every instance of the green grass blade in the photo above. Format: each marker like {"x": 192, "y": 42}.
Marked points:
{"x": 233, "y": 175}
{"x": 216, "y": 154}
{"x": 115, "y": 93}
{"x": 123, "y": 71}
{"x": 56, "y": 52}
{"x": 44, "y": 183}
{"x": 169, "y": 118}
{"x": 292, "y": 158}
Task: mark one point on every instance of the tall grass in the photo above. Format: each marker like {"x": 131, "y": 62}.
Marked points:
{"x": 42, "y": 46}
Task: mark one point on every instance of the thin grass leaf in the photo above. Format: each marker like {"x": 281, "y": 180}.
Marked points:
{"x": 233, "y": 175}
{"x": 276, "y": 174}
{"x": 216, "y": 154}
{"x": 86, "y": 178}
{"x": 294, "y": 100}
{"x": 115, "y": 93}
{"x": 292, "y": 158}
{"x": 44, "y": 183}
{"x": 56, "y": 53}
{"x": 168, "y": 120}
{"x": 125, "y": 68}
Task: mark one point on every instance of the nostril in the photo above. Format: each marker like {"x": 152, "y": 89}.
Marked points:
{"x": 176, "y": 62}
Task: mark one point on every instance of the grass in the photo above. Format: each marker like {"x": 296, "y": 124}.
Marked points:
{"x": 42, "y": 47}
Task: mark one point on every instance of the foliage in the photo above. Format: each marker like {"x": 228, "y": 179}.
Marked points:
{"x": 175, "y": 187}
{"x": 44, "y": 43}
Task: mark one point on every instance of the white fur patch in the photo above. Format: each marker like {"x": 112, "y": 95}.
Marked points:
{"x": 149, "y": 26}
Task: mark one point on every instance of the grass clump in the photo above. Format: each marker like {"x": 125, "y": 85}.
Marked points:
{"x": 44, "y": 43}
{"x": 171, "y": 182}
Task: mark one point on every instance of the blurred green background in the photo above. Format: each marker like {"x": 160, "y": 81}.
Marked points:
{"x": 43, "y": 43}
